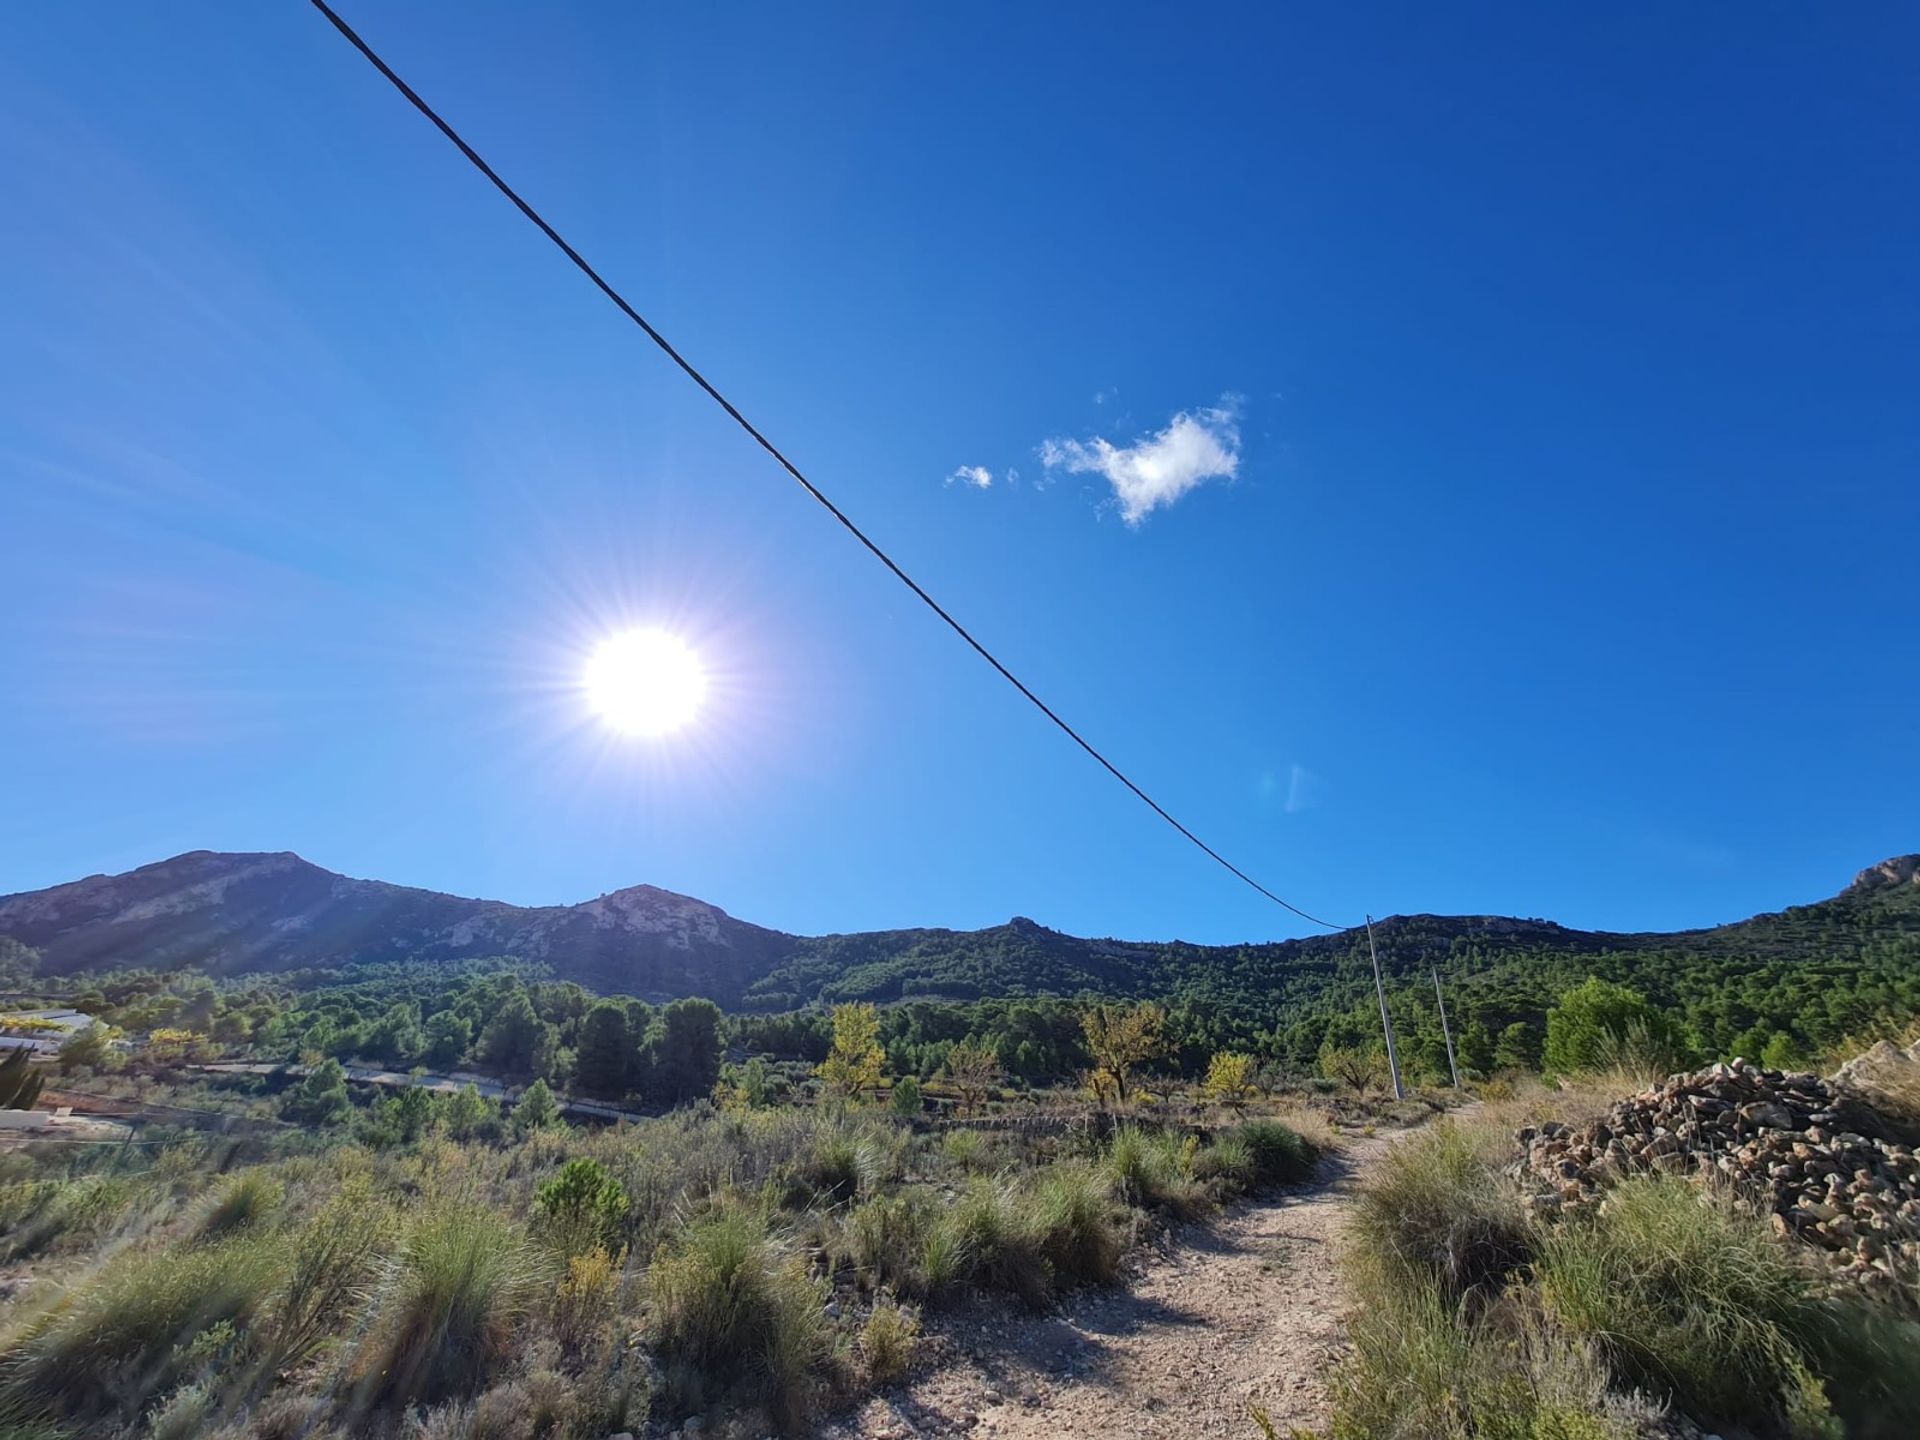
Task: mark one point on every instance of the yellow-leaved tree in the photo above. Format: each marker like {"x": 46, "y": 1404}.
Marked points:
{"x": 1121, "y": 1038}
{"x": 1229, "y": 1078}
{"x": 856, "y": 1063}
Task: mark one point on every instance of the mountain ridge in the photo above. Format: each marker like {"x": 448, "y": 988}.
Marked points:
{"x": 273, "y": 911}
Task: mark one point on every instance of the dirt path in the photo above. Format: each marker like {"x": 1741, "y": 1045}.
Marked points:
{"x": 1246, "y": 1309}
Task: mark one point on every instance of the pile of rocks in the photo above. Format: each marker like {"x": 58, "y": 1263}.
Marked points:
{"x": 1791, "y": 1145}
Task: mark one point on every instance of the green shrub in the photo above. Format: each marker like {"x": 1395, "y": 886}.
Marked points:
{"x": 1691, "y": 1300}
{"x": 582, "y": 1206}
{"x": 245, "y": 1200}
{"x": 461, "y": 1282}
{"x": 1436, "y": 1210}
{"x": 127, "y": 1336}
{"x": 906, "y": 1100}
{"x": 734, "y": 1315}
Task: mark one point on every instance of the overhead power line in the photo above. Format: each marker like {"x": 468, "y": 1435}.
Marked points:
{"x": 580, "y": 263}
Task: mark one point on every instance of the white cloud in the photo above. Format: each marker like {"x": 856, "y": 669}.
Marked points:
{"x": 1157, "y": 469}
{"x": 977, "y": 477}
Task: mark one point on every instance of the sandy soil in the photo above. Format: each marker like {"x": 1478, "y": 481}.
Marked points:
{"x": 1245, "y": 1309}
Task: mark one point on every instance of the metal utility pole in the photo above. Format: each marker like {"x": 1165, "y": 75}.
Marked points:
{"x": 1386, "y": 1020}
{"x": 1445, "y": 1030}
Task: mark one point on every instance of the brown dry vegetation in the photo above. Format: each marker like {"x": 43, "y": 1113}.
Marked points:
{"x": 763, "y": 1265}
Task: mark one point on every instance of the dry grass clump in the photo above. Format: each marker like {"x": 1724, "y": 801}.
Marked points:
{"x": 1474, "y": 1320}
{"x": 1422, "y": 1369}
{"x": 148, "y": 1320}
{"x": 1437, "y": 1212}
{"x": 41, "y": 1217}
{"x": 248, "y": 1198}
{"x": 1691, "y": 1299}
{"x": 464, "y": 1278}
{"x": 1154, "y": 1170}
{"x": 734, "y": 1315}
{"x": 887, "y": 1340}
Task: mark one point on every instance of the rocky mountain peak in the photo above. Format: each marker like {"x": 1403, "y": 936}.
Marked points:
{"x": 1887, "y": 875}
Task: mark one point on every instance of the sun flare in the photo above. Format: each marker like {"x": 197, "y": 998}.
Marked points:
{"x": 646, "y": 682}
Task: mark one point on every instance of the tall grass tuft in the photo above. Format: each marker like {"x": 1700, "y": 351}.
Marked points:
{"x": 331, "y": 1268}
{"x": 1690, "y": 1299}
{"x": 128, "y": 1335}
{"x": 462, "y": 1280}
{"x": 246, "y": 1199}
{"x": 1281, "y": 1154}
{"x": 1072, "y": 1211}
{"x": 993, "y": 1246}
{"x": 733, "y": 1314}
{"x": 1437, "y": 1210}
{"x": 887, "y": 1237}
{"x": 1421, "y": 1368}
{"x": 1155, "y": 1171}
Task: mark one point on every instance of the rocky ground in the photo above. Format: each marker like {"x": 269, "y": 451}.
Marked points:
{"x": 1810, "y": 1153}
{"x": 1244, "y": 1311}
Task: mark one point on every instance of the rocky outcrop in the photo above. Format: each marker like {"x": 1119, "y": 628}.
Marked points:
{"x": 1794, "y": 1147}
{"x": 1887, "y": 1078}
{"x": 1887, "y": 875}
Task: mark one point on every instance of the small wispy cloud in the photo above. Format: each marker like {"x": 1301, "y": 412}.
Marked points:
{"x": 977, "y": 477}
{"x": 1157, "y": 469}
{"x": 1303, "y": 789}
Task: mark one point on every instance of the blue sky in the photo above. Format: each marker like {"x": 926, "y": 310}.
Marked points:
{"x": 1526, "y": 521}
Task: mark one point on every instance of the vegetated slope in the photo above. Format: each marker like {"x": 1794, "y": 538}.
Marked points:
{"x": 238, "y": 913}
{"x": 231, "y": 914}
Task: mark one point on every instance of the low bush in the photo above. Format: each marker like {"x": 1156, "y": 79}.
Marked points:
{"x": 734, "y": 1315}
{"x": 584, "y": 1302}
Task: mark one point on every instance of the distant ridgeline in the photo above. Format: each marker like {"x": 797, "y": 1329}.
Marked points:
{"x": 1776, "y": 986}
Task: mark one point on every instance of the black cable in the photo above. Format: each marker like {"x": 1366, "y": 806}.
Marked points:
{"x": 785, "y": 464}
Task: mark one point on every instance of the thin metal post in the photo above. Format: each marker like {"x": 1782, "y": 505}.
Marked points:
{"x": 1386, "y": 1020}
{"x": 1446, "y": 1030}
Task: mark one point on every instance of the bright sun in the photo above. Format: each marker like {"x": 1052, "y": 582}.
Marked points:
{"x": 645, "y": 682}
